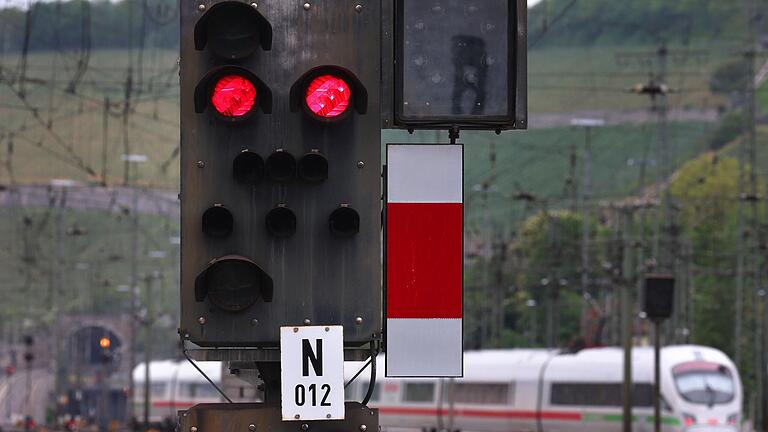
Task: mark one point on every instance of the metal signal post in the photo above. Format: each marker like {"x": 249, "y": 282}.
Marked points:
{"x": 282, "y": 106}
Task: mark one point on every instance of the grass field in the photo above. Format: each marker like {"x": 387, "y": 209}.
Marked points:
{"x": 58, "y": 134}
{"x": 51, "y": 132}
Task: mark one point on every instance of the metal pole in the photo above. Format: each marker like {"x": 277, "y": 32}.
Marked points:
{"x": 147, "y": 350}
{"x": 585, "y": 192}
{"x": 105, "y": 143}
{"x": 104, "y": 403}
{"x": 626, "y": 326}
{"x": 134, "y": 301}
{"x": 657, "y": 376}
{"x": 28, "y": 397}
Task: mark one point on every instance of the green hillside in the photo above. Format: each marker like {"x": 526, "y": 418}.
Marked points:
{"x": 632, "y": 22}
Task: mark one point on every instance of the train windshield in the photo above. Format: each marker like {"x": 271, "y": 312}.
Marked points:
{"x": 704, "y": 382}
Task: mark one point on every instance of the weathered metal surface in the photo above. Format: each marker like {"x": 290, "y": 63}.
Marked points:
{"x": 266, "y": 418}
{"x": 317, "y": 277}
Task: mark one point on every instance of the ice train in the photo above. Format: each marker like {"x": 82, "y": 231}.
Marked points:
{"x": 545, "y": 390}
{"x": 517, "y": 390}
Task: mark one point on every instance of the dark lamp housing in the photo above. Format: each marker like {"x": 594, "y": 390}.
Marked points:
{"x": 233, "y": 283}
{"x": 344, "y": 222}
{"x": 218, "y": 222}
{"x": 248, "y": 168}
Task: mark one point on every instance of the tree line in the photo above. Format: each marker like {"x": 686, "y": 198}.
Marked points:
{"x": 85, "y": 25}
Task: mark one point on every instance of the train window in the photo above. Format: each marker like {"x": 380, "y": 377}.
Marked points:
{"x": 704, "y": 383}
{"x": 599, "y": 394}
{"x": 198, "y": 390}
{"x": 157, "y": 390}
{"x": 481, "y": 393}
{"x": 419, "y": 392}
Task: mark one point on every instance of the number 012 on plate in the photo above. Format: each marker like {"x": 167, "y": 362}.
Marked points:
{"x": 312, "y": 372}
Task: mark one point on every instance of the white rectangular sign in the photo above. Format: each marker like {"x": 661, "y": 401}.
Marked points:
{"x": 312, "y": 372}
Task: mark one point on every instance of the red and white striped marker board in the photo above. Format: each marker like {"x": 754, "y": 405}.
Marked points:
{"x": 424, "y": 259}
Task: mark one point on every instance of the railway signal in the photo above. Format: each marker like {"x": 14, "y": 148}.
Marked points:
{"x": 659, "y": 303}
{"x": 282, "y": 106}
{"x": 280, "y": 193}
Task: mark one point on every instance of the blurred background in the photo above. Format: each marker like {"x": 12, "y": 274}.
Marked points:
{"x": 646, "y": 153}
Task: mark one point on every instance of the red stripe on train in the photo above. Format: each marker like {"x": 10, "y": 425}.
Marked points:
{"x": 546, "y": 415}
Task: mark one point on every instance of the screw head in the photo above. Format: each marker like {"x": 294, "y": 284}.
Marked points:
{"x": 251, "y": 427}
{"x": 304, "y": 426}
{"x": 359, "y": 320}
{"x": 193, "y": 429}
{"x": 363, "y": 428}
{"x": 297, "y": 416}
{"x": 327, "y": 329}
{"x": 295, "y": 329}
{"x": 201, "y": 320}
{"x": 307, "y": 321}
{"x": 360, "y": 164}
{"x": 200, "y": 164}
{"x": 200, "y": 7}
{"x": 359, "y": 8}
{"x": 254, "y": 322}
{"x": 307, "y": 6}
{"x": 327, "y": 416}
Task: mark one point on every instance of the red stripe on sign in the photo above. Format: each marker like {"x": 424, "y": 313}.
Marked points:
{"x": 546, "y": 415}
{"x": 424, "y": 260}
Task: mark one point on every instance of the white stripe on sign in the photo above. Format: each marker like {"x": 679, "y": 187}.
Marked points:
{"x": 424, "y": 173}
{"x": 421, "y": 339}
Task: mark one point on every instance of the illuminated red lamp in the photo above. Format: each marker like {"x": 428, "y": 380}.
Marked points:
{"x": 233, "y": 92}
{"x": 233, "y": 96}
{"x": 328, "y": 96}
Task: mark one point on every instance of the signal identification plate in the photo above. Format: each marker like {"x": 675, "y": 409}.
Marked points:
{"x": 312, "y": 372}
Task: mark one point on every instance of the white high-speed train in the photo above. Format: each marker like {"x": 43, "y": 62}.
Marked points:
{"x": 544, "y": 390}
{"x": 518, "y": 390}
{"x": 174, "y": 385}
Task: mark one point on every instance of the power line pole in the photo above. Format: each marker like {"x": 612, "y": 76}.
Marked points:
{"x": 105, "y": 142}
{"x": 626, "y": 318}
{"x": 753, "y": 199}
{"x": 134, "y": 298}
{"x": 586, "y": 190}
{"x": 148, "y": 280}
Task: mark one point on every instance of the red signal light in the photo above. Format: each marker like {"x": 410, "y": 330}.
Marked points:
{"x": 233, "y": 96}
{"x": 328, "y": 96}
